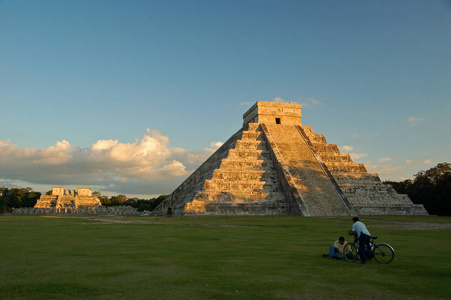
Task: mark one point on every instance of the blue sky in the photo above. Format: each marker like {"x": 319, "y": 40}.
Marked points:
{"x": 130, "y": 97}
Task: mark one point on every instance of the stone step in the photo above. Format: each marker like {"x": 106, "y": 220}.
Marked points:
{"x": 243, "y": 154}
{"x": 359, "y": 189}
{"x": 239, "y": 186}
{"x": 278, "y": 197}
{"x": 378, "y": 199}
{"x": 345, "y": 158}
{"x": 233, "y": 164}
{"x": 326, "y": 148}
{"x": 250, "y": 135}
{"x": 243, "y": 176}
{"x": 346, "y": 167}
{"x": 249, "y": 145}
{"x": 387, "y": 209}
{"x": 253, "y": 126}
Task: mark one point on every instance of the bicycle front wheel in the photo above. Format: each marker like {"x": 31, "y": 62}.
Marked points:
{"x": 384, "y": 253}
{"x": 350, "y": 252}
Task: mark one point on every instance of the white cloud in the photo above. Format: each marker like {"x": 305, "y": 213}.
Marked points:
{"x": 428, "y": 161}
{"x": 347, "y": 148}
{"x": 384, "y": 159}
{"x": 358, "y": 155}
{"x": 413, "y": 120}
{"x": 144, "y": 156}
{"x": 105, "y": 165}
{"x": 213, "y": 147}
{"x": 104, "y": 145}
{"x": 174, "y": 169}
{"x": 53, "y": 155}
{"x": 7, "y": 148}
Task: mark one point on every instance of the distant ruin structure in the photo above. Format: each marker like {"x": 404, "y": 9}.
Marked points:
{"x": 62, "y": 198}
{"x": 276, "y": 165}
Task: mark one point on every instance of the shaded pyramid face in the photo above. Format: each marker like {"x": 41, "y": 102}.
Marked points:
{"x": 275, "y": 165}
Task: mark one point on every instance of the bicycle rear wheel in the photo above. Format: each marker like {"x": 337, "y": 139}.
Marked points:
{"x": 350, "y": 252}
{"x": 384, "y": 253}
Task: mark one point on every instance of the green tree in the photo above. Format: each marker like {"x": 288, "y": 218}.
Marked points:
{"x": 15, "y": 198}
{"x": 30, "y": 199}
{"x": 401, "y": 186}
{"x": 432, "y": 188}
{"x": 3, "y": 201}
{"x": 12, "y": 198}
{"x": 103, "y": 199}
{"x": 118, "y": 200}
{"x": 435, "y": 174}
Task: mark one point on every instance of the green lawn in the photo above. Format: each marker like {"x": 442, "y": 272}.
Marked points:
{"x": 216, "y": 258}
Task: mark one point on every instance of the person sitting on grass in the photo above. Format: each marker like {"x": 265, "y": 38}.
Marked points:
{"x": 337, "y": 249}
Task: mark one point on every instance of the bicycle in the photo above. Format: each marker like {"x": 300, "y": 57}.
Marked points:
{"x": 383, "y": 253}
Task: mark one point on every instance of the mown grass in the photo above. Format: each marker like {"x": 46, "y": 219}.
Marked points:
{"x": 215, "y": 258}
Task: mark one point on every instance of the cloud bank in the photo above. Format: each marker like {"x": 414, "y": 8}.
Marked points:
{"x": 146, "y": 166}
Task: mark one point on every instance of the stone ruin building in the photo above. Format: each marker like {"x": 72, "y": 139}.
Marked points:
{"x": 76, "y": 202}
{"x": 276, "y": 165}
{"x": 72, "y": 199}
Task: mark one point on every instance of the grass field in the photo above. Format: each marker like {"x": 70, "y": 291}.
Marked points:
{"x": 217, "y": 258}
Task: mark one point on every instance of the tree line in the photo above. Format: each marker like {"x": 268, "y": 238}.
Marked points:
{"x": 14, "y": 198}
{"x": 11, "y": 198}
{"x": 121, "y": 200}
{"x": 432, "y": 188}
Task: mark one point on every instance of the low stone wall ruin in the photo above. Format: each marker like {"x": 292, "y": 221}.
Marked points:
{"x": 100, "y": 210}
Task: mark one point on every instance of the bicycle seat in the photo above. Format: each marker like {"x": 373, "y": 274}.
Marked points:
{"x": 374, "y": 237}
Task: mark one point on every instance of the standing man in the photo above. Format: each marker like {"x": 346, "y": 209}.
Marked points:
{"x": 363, "y": 235}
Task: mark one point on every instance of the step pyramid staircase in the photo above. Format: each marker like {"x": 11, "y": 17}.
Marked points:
{"x": 275, "y": 165}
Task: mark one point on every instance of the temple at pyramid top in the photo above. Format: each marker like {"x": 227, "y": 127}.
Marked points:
{"x": 276, "y": 165}
{"x": 273, "y": 113}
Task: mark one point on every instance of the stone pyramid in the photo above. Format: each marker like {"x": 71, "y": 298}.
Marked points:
{"x": 276, "y": 165}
